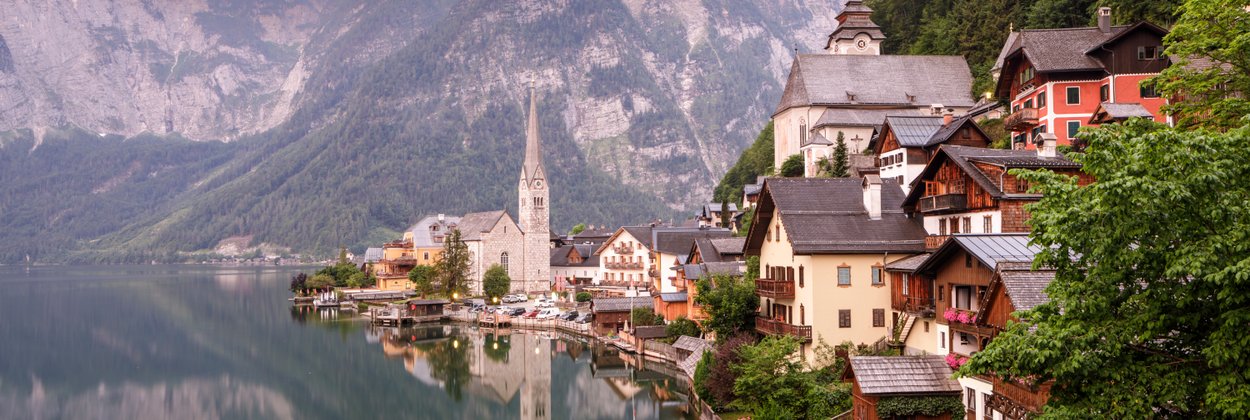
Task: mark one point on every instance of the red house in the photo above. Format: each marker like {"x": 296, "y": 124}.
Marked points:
{"x": 1056, "y": 79}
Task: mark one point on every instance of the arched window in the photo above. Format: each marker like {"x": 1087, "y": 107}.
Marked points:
{"x": 503, "y": 260}
{"x": 800, "y": 276}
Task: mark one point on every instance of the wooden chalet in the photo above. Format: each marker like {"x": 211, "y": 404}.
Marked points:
{"x": 906, "y": 143}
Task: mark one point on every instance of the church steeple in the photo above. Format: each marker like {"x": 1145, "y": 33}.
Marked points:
{"x": 533, "y": 166}
{"x": 856, "y": 32}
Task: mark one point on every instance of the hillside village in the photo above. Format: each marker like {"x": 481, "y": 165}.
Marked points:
{"x": 894, "y": 221}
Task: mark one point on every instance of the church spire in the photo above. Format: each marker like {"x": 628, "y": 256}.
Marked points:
{"x": 533, "y": 155}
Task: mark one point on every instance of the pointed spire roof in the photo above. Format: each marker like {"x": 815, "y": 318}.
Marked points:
{"x": 533, "y": 154}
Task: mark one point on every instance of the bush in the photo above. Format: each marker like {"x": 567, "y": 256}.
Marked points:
{"x": 496, "y": 282}
{"x": 644, "y": 316}
{"x": 720, "y": 377}
{"x": 793, "y": 166}
{"x": 701, "y": 372}
{"x": 584, "y": 296}
{"x": 932, "y": 406}
{"x": 771, "y": 380}
{"x": 682, "y": 326}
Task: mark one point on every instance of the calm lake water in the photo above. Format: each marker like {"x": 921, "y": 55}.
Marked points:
{"x": 193, "y": 342}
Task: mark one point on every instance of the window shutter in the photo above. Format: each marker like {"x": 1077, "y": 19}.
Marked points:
{"x": 878, "y": 317}
{"x": 844, "y": 318}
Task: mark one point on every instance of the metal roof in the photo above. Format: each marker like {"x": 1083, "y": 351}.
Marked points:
{"x": 913, "y": 131}
{"x": 994, "y": 248}
{"x": 673, "y": 297}
{"x": 898, "y": 375}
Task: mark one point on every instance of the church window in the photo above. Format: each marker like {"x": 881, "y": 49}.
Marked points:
{"x": 802, "y": 131}
{"x": 503, "y": 260}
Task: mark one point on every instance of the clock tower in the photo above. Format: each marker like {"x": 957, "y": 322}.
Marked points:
{"x": 534, "y": 211}
{"x": 856, "y": 33}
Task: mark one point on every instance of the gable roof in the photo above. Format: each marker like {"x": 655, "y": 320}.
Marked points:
{"x": 728, "y": 246}
{"x": 1118, "y": 111}
{"x": 827, "y": 216}
{"x": 816, "y": 139}
{"x": 678, "y": 241}
{"x": 642, "y": 234}
{"x": 991, "y": 249}
{"x": 908, "y": 264}
{"x": 560, "y": 255}
{"x": 621, "y": 304}
{"x": 964, "y": 157}
{"x": 424, "y": 237}
{"x": 1025, "y": 286}
{"x": 472, "y": 225}
{"x": 1063, "y": 49}
{"x": 729, "y": 268}
{"x": 900, "y": 375}
{"x": 854, "y": 80}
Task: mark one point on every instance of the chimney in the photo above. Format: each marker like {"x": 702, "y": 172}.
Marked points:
{"x": 1049, "y": 147}
{"x": 1104, "y": 19}
{"x": 441, "y": 217}
{"x": 872, "y": 196}
{"x": 936, "y": 109}
{"x": 948, "y": 115}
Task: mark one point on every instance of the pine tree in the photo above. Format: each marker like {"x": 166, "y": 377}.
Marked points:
{"x": 841, "y": 161}
{"x": 452, "y": 270}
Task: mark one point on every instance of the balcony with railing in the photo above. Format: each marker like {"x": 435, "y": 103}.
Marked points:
{"x": 623, "y": 249}
{"x": 917, "y": 305}
{"x": 1021, "y": 120}
{"x": 933, "y": 242}
{"x": 776, "y": 289}
{"x": 775, "y": 327}
{"x": 944, "y": 202}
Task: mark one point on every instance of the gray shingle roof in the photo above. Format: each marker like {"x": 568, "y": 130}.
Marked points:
{"x": 900, "y": 375}
{"x": 853, "y": 117}
{"x": 827, "y": 215}
{"x": 560, "y": 256}
{"x": 1063, "y": 49}
{"x": 673, "y": 297}
{"x": 373, "y": 254}
{"x": 1024, "y": 286}
{"x": 641, "y": 233}
{"x": 908, "y": 264}
{"x": 1112, "y": 111}
{"x": 621, "y": 304}
{"x": 728, "y": 246}
{"x": 678, "y": 241}
{"x": 829, "y": 79}
{"x": 731, "y": 268}
{"x": 424, "y": 237}
{"x": 816, "y": 139}
{"x": 472, "y": 225}
{"x": 696, "y": 347}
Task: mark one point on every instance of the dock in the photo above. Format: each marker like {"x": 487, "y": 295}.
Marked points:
{"x": 410, "y": 312}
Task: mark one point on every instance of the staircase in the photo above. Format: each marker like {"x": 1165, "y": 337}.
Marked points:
{"x": 907, "y": 322}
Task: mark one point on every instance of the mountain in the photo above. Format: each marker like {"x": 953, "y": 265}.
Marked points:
{"x": 133, "y": 131}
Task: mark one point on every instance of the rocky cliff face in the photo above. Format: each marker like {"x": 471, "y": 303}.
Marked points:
{"x": 659, "y": 96}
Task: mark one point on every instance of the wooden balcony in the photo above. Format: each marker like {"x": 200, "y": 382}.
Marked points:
{"x": 933, "y": 242}
{"x": 914, "y": 305}
{"x": 944, "y": 202}
{"x": 774, "y": 327}
{"x": 1022, "y": 120}
{"x": 623, "y": 249}
{"x": 776, "y": 289}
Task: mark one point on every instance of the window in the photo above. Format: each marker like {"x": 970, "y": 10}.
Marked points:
{"x": 906, "y": 285}
{"x": 770, "y": 235}
{"x": 954, "y": 225}
{"x": 844, "y": 276}
{"x": 941, "y": 293}
{"x": 1148, "y": 90}
{"x": 967, "y": 224}
{"x": 844, "y": 318}
{"x": 942, "y": 227}
{"x": 1148, "y": 52}
{"x": 1073, "y": 128}
{"x": 878, "y": 317}
{"x": 800, "y": 276}
{"x": 987, "y": 224}
{"x": 1074, "y": 95}
{"x": 967, "y": 260}
{"x": 1022, "y": 185}
{"x": 972, "y": 399}
{"x": 963, "y": 297}
{"x": 942, "y": 339}
{"x": 1104, "y": 93}
{"x": 802, "y": 131}
{"x": 876, "y": 276}
{"x": 1028, "y": 104}
{"x": 426, "y": 256}
{"x": 1041, "y": 100}
{"x": 802, "y": 315}
{"x": 1026, "y": 74}
{"x": 926, "y": 326}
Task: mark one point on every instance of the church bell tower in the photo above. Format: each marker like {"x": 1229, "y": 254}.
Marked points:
{"x": 533, "y": 209}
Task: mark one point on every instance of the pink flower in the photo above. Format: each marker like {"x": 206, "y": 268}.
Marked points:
{"x": 951, "y": 314}
{"x": 964, "y": 317}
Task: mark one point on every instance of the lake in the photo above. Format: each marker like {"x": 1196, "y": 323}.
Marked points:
{"x": 205, "y": 342}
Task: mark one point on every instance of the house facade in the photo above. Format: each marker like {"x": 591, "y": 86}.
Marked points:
{"x": 823, "y": 244}
{"x": 428, "y": 235}
{"x": 906, "y": 143}
{"x": 1056, "y": 79}
{"x": 969, "y": 190}
{"x": 492, "y": 237}
{"x": 392, "y": 270}
{"x": 851, "y": 88}
{"x": 624, "y": 260}
{"x": 574, "y": 266}
{"x": 670, "y": 249}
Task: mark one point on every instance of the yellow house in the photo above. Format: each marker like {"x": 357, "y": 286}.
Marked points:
{"x": 823, "y": 244}
{"x": 397, "y": 260}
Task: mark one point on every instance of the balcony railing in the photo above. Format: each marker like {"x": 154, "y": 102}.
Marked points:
{"x": 955, "y": 202}
{"x": 635, "y": 265}
{"x": 914, "y": 305}
{"x": 1021, "y": 120}
{"x": 774, "y": 327}
{"x": 776, "y": 289}
{"x": 623, "y": 249}
{"x": 933, "y": 242}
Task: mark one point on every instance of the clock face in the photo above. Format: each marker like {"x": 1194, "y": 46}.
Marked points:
{"x": 538, "y": 183}
{"x": 861, "y": 44}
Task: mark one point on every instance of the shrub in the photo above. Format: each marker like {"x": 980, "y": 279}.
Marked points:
{"x": 584, "y": 296}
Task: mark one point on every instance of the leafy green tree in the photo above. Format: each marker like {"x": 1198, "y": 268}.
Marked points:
{"x": 701, "y": 372}
{"x": 321, "y": 282}
{"x": 682, "y": 326}
{"x": 644, "y": 316}
{"x": 840, "y": 167}
{"x": 299, "y": 284}
{"x": 793, "y": 166}
{"x": 583, "y": 297}
{"x": 579, "y": 228}
{"x": 1211, "y": 75}
{"x": 422, "y": 278}
{"x": 1147, "y": 312}
{"x": 495, "y": 282}
{"x": 725, "y": 219}
{"x": 753, "y": 269}
{"x": 747, "y": 218}
{"x": 771, "y": 380}
{"x": 718, "y": 383}
{"x": 730, "y": 304}
{"x": 1058, "y": 13}
{"x": 755, "y": 161}
{"x": 358, "y": 279}
{"x": 452, "y": 269}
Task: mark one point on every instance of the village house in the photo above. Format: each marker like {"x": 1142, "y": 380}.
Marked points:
{"x": 427, "y": 237}
{"x": 969, "y": 190}
{"x": 710, "y": 215}
{"x": 574, "y": 267}
{"x": 724, "y": 257}
{"x": 980, "y": 280}
{"x": 669, "y": 250}
{"x": 851, "y": 88}
{"x": 624, "y": 261}
{"x": 612, "y": 314}
{"x": 1057, "y": 79}
{"x": 751, "y": 193}
{"x": 913, "y": 326}
{"x": 397, "y": 260}
{"x": 823, "y": 245}
{"x": 906, "y": 143}
{"x": 876, "y": 377}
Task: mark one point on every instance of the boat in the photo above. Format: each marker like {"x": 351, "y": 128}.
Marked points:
{"x": 326, "y": 300}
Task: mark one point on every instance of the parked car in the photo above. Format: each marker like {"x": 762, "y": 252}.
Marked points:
{"x": 503, "y": 310}
{"x": 477, "y": 308}
{"x": 544, "y": 303}
{"x": 549, "y": 313}
{"x": 532, "y": 313}
{"x": 585, "y": 318}
{"x": 568, "y": 316}
{"x": 516, "y": 312}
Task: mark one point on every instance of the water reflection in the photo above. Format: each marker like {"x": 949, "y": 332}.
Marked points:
{"x": 199, "y": 398}
{"x": 510, "y": 367}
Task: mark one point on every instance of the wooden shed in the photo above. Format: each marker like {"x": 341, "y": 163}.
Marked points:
{"x": 877, "y": 378}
